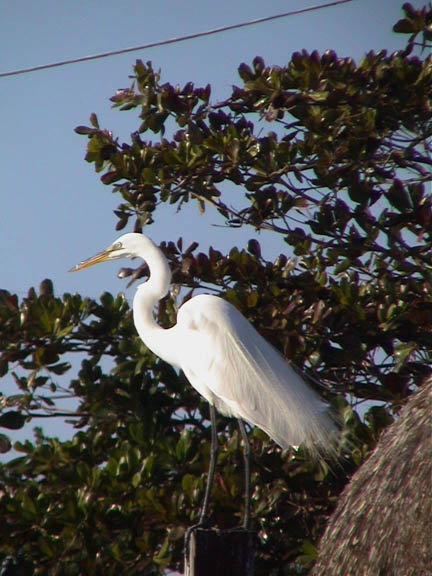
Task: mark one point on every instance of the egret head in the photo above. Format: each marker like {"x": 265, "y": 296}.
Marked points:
{"x": 127, "y": 246}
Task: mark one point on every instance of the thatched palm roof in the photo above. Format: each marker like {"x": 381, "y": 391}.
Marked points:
{"x": 382, "y": 524}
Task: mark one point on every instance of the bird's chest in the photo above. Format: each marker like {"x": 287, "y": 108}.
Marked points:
{"x": 198, "y": 360}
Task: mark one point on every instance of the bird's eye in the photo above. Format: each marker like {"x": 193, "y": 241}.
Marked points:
{"x": 117, "y": 246}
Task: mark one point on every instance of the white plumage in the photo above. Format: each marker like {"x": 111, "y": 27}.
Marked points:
{"x": 224, "y": 358}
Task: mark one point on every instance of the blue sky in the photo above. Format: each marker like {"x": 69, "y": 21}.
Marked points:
{"x": 55, "y": 211}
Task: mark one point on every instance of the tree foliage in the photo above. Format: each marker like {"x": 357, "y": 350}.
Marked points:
{"x": 331, "y": 156}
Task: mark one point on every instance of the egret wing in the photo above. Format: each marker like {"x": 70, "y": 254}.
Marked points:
{"x": 249, "y": 379}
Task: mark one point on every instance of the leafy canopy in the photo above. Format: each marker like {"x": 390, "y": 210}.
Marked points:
{"x": 331, "y": 156}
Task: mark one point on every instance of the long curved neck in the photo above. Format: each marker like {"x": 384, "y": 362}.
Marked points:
{"x": 146, "y": 297}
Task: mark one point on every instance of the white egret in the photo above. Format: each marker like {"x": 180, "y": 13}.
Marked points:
{"x": 227, "y": 361}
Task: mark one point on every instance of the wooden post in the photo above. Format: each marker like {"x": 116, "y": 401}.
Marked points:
{"x": 213, "y": 552}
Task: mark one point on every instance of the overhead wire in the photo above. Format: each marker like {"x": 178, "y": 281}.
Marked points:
{"x": 172, "y": 40}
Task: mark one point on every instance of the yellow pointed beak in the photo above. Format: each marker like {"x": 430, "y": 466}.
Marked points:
{"x": 100, "y": 257}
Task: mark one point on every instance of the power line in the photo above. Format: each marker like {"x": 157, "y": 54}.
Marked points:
{"x": 172, "y": 40}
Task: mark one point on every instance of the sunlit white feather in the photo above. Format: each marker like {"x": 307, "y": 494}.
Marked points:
{"x": 232, "y": 366}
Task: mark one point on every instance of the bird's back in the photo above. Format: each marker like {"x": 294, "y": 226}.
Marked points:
{"x": 233, "y": 367}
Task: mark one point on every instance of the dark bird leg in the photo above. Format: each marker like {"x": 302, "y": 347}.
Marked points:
{"x": 214, "y": 449}
{"x": 247, "y": 471}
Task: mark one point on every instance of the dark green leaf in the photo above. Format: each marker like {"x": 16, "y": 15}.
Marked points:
{"x": 13, "y": 420}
